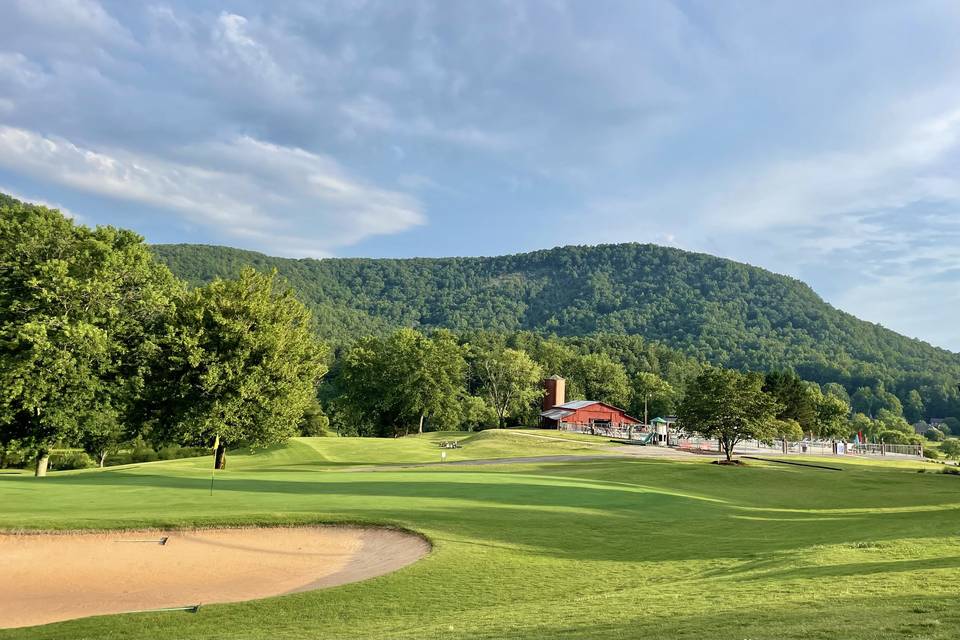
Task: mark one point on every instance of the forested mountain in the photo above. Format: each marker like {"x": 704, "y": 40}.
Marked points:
{"x": 714, "y": 309}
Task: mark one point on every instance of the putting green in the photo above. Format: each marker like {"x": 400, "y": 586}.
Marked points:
{"x": 599, "y": 548}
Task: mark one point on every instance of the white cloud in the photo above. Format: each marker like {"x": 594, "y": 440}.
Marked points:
{"x": 286, "y": 199}
{"x": 236, "y": 48}
{"x": 907, "y": 302}
{"x": 372, "y": 114}
{"x": 887, "y": 174}
{"x": 18, "y": 71}
{"x": 74, "y": 16}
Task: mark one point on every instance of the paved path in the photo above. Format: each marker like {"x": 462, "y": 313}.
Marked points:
{"x": 662, "y": 453}
{"x": 631, "y": 450}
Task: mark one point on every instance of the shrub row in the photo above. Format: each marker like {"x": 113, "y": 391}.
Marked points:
{"x": 147, "y": 454}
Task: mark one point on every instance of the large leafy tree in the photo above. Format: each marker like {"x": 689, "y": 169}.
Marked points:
{"x": 651, "y": 396}
{"x": 314, "y": 422}
{"x": 431, "y": 379}
{"x": 79, "y": 311}
{"x": 951, "y": 448}
{"x": 862, "y": 425}
{"x": 101, "y": 434}
{"x": 554, "y": 357}
{"x": 832, "y": 417}
{"x": 509, "y": 379}
{"x": 730, "y": 406}
{"x": 836, "y": 389}
{"x": 786, "y": 430}
{"x": 240, "y": 365}
{"x": 392, "y": 384}
{"x": 598, "y": 377}
{"x": 797, "y": 401}
{"x": 913, "y": 409}
{"x": 872, "y": 400}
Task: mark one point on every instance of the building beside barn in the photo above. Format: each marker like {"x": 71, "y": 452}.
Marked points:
{"x": 580, "y": 415}
{"x": 587, "y": 414}
{"x": 555, "y": 389}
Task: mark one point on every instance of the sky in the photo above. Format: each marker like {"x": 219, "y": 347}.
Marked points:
{"x": 816, "y": 139}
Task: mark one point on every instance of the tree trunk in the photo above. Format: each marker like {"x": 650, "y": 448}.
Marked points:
{"x": 420, "y": 428}
{"x": 103, "y": 458}
{"x": 728, "y": 450}
{"x": 43, "y": 460}
{"x": 220, "y": 458}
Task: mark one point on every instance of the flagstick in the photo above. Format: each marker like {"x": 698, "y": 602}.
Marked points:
{"x": 216, "y": 445}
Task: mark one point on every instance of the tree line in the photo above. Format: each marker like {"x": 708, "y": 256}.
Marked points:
{"x": 101, "y": 344}
{"x": 710, "y": 309}
{"x": 396, "y": 385}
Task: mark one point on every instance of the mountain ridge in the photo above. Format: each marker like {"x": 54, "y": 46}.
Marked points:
{"x": 726, "y": 312}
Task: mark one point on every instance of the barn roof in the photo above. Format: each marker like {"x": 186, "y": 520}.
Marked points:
{"x": 569, "y": 408}
{"x": 556, "y": 414}
{"x": 577, "y": 404}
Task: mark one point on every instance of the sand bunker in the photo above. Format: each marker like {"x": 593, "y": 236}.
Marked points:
{"x": 53, "y": 577}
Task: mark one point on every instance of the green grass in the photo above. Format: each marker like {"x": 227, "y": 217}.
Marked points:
{"x": 565, "y": 435}
{"x": 322, "y": 454}
{"x": 589, "y": 549}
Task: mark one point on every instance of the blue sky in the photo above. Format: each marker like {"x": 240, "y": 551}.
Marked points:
{"x": 816, "y": 139}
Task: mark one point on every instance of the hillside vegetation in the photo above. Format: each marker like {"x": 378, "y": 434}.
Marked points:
{"x": 717, "y": 310}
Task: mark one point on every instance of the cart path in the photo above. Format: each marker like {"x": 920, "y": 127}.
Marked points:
{"x": 630, "y": 450}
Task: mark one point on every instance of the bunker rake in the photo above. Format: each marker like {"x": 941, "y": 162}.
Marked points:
{"x": 160, "y": 541}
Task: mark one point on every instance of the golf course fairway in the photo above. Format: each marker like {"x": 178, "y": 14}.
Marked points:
{"x": 605, "y": 547}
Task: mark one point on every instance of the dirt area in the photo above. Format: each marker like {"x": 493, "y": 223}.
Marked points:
{"x": 51, "y": 577}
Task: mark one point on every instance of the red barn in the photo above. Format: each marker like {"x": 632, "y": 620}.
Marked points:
{"x": 587, "y": 414}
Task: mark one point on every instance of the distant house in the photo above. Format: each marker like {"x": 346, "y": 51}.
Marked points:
{"x": 586, "y": 413}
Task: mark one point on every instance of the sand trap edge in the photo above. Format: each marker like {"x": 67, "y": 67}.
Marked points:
{"x": 338, "y": 554}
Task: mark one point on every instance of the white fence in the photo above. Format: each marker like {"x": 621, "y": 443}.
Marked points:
{"x": 805, "y": 447}
{"x": 635, "y": 432}
{"x": 609, "y": 431}
{"x": 868, "y": 449}
{"x": 802, "y": 447}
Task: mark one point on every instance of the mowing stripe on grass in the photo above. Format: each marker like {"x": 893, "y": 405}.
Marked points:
{"x": 798, "y": 464}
